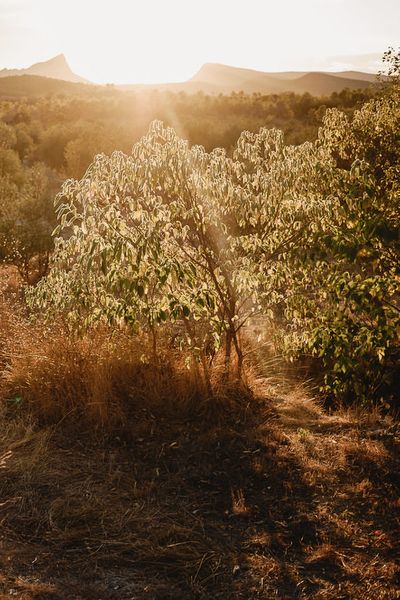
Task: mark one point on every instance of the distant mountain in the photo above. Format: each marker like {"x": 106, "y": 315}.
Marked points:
{"x": 357, "y": 75}
{"x": 324, "y": 84}
{"x": 210, "y": 79}
{"x": 232, "y": 79}
{"x": 55, "y": 68}
{"x": 215, "y": 78}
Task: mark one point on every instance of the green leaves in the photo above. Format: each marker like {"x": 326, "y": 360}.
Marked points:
{"x": 174, "y": 234}
{"x": 346, "y": 287}
{"x": 197, "y": 243}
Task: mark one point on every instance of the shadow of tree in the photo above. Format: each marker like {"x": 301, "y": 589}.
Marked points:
{"x": 220, "y": 507}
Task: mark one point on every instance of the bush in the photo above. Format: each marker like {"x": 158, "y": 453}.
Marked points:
{"x": 346, "y": 310}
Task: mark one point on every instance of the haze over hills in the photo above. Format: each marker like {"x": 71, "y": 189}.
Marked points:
{"x": 211, "y": 79}
{"x": 356, "y": 75}
{"x": 222, "y": 79}
{"x": 249, "y": 80}
{"x": 30, "y": 86}
{"x": 55, "y": 68}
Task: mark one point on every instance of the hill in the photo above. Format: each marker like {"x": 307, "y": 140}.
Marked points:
{"x": 234, "y": 79}
{"x": 324, "y": 84}
{"x": 223, "y": 79}
{"x": 357, "y": 75}
{"x": 230, "y": 79}
{"x": 18, "y": 86}
{"x": 54, "y": 68}
{"x": 211, "y": 79}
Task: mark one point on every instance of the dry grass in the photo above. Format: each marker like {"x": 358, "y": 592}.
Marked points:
{"x": 120, "y": 479}
{"x": 187, "y": 507}
{"x": 102, "y": 377}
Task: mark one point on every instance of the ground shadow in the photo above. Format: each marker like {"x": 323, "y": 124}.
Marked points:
{"x": 182, "y": 507}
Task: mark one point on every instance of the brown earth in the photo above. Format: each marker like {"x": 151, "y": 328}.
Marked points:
{"x": 269, "y": 498}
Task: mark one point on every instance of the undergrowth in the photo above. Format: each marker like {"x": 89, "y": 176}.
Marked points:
{"x": 122, "y": 478}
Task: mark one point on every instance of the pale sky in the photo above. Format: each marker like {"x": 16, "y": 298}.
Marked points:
{"x": 148, "y": 41}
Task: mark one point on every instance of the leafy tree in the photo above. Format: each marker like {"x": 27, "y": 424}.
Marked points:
{"x": 26, "y": 223}
{"x": 51, "y": 149}
{"x": 80, "y": 151}
{"x": 24, "y": 141}
{"x": 349, "y": 283}
{"x": 11, "y": 167}
{"x": 8, "y": 138}
{"x": 172, "y": 234}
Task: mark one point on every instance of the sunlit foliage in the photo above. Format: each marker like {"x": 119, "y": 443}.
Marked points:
{"x": 349, "y": 279}
{"x": 173, "y": 234}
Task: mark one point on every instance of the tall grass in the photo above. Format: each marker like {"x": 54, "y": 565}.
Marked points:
{"x": 102, "y": 377}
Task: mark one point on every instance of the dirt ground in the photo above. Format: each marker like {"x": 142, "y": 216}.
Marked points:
{"x": 271, "y": 499}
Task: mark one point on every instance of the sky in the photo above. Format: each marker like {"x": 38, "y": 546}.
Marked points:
{"x": 154, "y": 41}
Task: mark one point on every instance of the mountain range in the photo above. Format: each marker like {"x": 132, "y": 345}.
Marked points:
{"x": 211, "y": 79}
{"x": 222, "y": 79}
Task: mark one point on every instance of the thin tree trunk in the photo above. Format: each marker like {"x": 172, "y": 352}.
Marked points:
{"x": 239, "y": 354}
{"x": 154, "y": 341}
{"x": 228, "y": 353}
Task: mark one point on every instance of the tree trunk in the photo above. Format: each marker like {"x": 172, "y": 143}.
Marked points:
{"x": 239, "y": 355}
{"x": 206, "y": 373}
{"x": 228, "y": 353}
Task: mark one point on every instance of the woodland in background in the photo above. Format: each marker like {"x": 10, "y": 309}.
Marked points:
{"x": 45, "y": 140}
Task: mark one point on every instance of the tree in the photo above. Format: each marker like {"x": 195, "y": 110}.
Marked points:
{"x": 8, "y": 138}
{"x": 173, "y": 235}
{"x": 26, "y": 223}
{"x": 348, "y": 286}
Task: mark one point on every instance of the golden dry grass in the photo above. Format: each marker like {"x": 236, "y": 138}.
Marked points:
{"x": 120, "y": 478}
{"x": 103, "y": 376}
